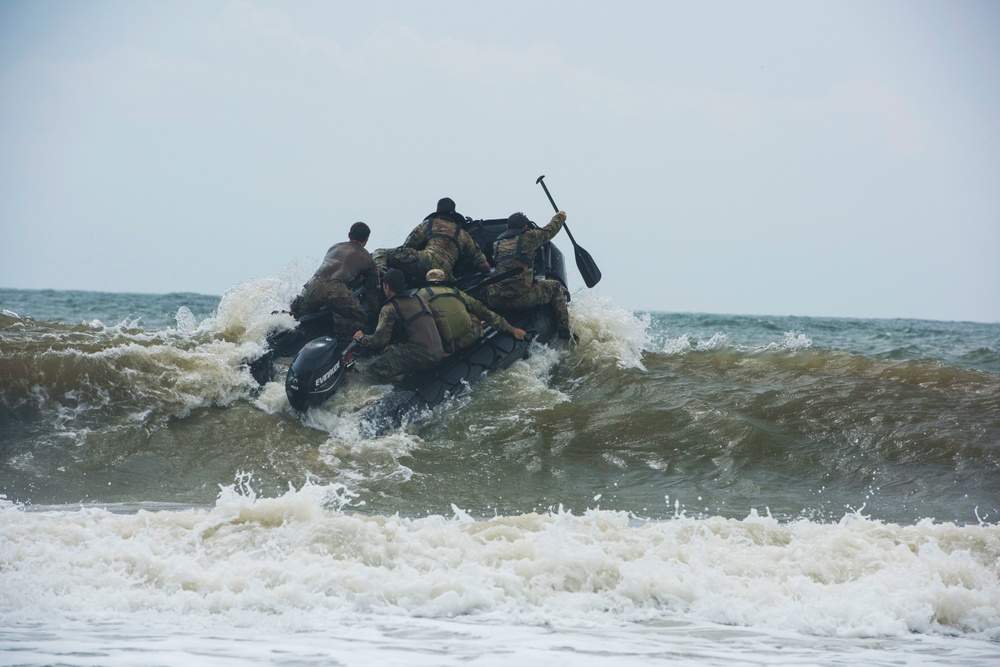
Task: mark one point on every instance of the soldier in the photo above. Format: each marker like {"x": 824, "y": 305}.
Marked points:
{"x": 439, "y": 242}
{"x": 346, "y": 267}
{"x": 408, "y": 323}
{"x": 459, "y": 317}
{"x": 516, "y": 248}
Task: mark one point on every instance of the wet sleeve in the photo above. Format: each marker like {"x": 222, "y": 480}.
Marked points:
{"x": 555, "y": 224}
{"x": 477, "y": 308}
{"x": 383, "y": 332}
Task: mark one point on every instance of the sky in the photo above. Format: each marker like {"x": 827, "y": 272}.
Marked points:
{"x": 835, "y": 159}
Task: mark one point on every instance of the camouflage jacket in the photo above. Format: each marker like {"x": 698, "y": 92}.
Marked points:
{"x": 519, "y": 251}
{"x": 445, "y": 242}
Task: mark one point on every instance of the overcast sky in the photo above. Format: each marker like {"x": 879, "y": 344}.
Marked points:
{"x": 782, "y": 158}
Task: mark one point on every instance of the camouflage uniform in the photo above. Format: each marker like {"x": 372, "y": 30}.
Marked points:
{"x": 346, "y": 267}
{"x": 406, "y": 321}
{"x": 521, "y": 292}
{"x": 459, "y": 317}
{"x": 439, "y": 242}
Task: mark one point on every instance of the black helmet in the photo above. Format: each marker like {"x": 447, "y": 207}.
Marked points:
{"x": 446, "y": 205}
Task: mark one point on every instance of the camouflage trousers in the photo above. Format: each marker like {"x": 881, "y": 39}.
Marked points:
{"x": 398, "y": 361}
{"x": 346, "y": 313}
{"x": 542, "y": 292}
{"x": 413, "y": 263}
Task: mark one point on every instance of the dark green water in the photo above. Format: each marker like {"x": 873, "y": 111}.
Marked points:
{"x": 141, "y": 399}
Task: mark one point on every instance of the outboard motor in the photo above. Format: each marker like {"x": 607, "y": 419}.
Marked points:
{"x": 316, "y": 372}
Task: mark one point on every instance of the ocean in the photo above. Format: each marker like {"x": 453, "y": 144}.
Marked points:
{"x": 683, "y": 489}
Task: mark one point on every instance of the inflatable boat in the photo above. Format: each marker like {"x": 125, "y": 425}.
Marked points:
{"x": 320, "y": 363}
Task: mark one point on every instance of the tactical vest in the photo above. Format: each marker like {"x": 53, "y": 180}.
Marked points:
{"x": 417, "y": 322}
{"x": 509, "y": 256}
{"x": 429, "y": 233}
{"x": 448, "y": 302}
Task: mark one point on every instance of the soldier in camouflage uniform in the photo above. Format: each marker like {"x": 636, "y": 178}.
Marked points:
{"x": 459, "y": 317}
{"x": 516, "y": 248}
{"x": 406, "y": 322}
{"x": 346, "y": 267}
{"x": 439, "y": 242}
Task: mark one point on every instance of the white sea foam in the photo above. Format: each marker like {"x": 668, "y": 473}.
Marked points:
{"x": 201, "y": 364}
{"x": 790, "y": 341}
{"x": 608, "y": 330}
{"x": 683, "y": 344}
{"x": 302, "y": 552}
{"x": 187, "y": 323}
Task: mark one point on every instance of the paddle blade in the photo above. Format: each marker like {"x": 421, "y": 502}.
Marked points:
{"x": 588, "y": 268}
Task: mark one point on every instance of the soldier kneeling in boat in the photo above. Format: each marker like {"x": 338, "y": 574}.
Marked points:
{"x": 460, "y": 317}
{"x": 408, "y": 323}
{"x": 439, "y": 242}
{"x": 346, "y": 268}
{"x": 337, "y": 300}
{"x": 515, "y": 248}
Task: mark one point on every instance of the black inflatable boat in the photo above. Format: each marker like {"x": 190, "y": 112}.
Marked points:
{"x": 321, "y": 361}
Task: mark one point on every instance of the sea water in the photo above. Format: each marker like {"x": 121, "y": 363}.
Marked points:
{"x": 684, "y": 489}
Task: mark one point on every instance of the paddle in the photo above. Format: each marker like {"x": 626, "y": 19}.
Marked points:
{"x": 474, "y": 283}
{"x": 584, "y": 262}
{"x": 483, "y": 282}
